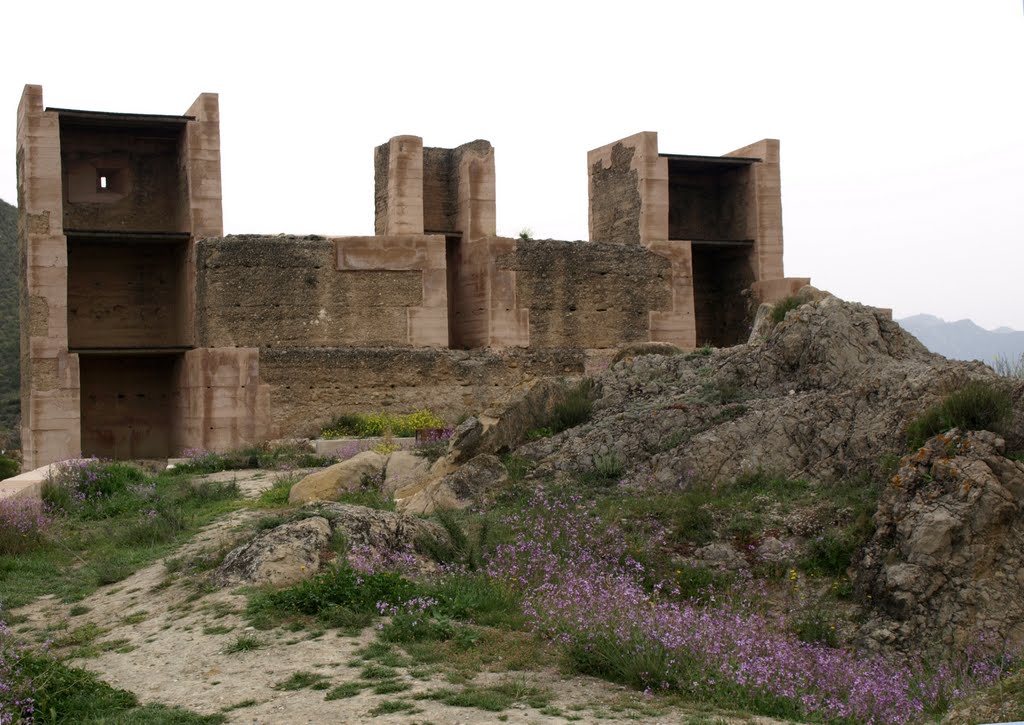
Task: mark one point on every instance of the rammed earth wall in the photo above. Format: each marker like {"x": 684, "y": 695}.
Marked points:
{"x": 284, "y": 291}
{"x": 310, "y": 385}
{"x": 586, "y": 294}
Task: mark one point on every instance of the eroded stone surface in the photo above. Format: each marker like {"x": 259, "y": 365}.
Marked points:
{"x": 476, "y": 481}
{"x": 348, "y": 475}
{"x": 945, "y": 561}
{"x": 280, "y": 557}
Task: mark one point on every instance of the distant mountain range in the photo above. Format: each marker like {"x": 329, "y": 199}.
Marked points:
{"x": 964, "y": 340}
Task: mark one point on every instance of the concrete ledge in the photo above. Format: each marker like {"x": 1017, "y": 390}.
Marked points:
{"x": 332, "y": 446}
{"x": 26, "y": 485}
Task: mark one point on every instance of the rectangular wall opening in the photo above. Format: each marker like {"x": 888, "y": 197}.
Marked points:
{"x": 128, "y": 405}
{"x": 721, "y": 272}
{"x": 710, "y": 199}
{"x": 126, "y": 293}
{"x": 453, "y": 263}
{"x": 124, "y": 177}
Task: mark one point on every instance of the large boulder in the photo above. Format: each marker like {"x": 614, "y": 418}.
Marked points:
{"x": 381, "y": 533}
{"x": 505, "y": 425}
{"x": 404, "y": 468}
{"x": 474, "y": 482}
{"x": 280, "y": 557}
{"x": 334, "y": 480}
{"x": 946, "y": 563}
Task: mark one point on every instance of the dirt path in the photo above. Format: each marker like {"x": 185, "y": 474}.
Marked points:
{"x": 169, "y": 642}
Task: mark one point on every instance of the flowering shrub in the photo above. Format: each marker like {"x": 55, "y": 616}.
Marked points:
{"x": 414, "y": 620}
{"x": 16, "y": 701}
{"x": 581, "y": 589}
{"x": 368, "y": 560}
{"x": 23, "y": 525}
{"x": 87, "y": 483}
{"x": 366, "y": 425}
{"x": 432, "y": 443}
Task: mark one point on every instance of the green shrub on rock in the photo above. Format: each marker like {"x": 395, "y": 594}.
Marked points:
{"x": 978, "y": 405}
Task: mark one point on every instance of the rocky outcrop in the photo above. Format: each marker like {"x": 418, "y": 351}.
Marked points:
{"x": 282, "y": 556}
{"x": 826, "y": 393}
{"x": 382, "y": 531}
{"x": 504, "y": 426}
{"x": 404, "y": 468}
{"x": 470, "y": 469}
{"x": 297, "y": 550}
{"x": 334, "y": 480}
{"x": 946, "y": 563}
{"x": 474, "y": 482}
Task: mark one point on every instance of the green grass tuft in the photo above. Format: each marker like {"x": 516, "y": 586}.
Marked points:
{"x": 302, "y": 680}
{"x": 784, "y": 306}
{"x": 977, "y": 405}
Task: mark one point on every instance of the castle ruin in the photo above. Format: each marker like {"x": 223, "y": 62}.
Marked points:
{"x": 145, "y": 331}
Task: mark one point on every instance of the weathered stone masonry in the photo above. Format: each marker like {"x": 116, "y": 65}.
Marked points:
{"x": 147, "y": 332}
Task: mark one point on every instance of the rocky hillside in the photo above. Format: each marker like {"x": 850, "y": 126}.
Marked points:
{"x": 825, "y": 394}
{"x": 9, "y": 340}
{"x": 797, "y": 452}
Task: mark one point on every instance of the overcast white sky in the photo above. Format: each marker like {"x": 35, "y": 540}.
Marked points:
{"x": 901, "y": 121}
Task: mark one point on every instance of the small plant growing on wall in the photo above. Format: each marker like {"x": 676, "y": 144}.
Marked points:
{"x": 366, "y": 425}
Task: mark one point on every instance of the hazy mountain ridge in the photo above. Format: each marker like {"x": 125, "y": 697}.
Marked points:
{"x": 9, "y": 334}
{"x": 964, "y": 339}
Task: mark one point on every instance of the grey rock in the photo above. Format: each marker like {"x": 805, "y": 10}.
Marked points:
{"x": 384, "y": 531}
{"x": 943, "y": 565}
{"x": 474, "y": 482}
{"x": 334, "y": 480}
{"x": 280, "y": 557}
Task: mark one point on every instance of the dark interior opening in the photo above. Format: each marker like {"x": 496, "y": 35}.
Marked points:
{"x": 129, "y": 405}
{"x": 453, "y": 262}
{"x": 721, "y": 272}
{"x": 125, "y": 178}
{"x": 709, "y": 201}
{"x": 127, "y": 293}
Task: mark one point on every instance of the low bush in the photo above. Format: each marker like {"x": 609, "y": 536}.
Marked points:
{"x": 89, "y": 486}
{"x": 8, "y": 467}
{"x": 830, "y": 554}
{"x": 1005, "y": 366}
{"x": 263, "y": 455}
{"x": 575, "y": 409}
{"x": 478, "y": 598}
{"x": 339, "y": 587}
{"x": 24, "y": 525}
{"x": 784, "y": 306}
{"x": 366, "y": 425}
{"x": 434, "y": 444}
{"x": 815, "y": 627}
{"x": 977, "y": 405}
{"x": 459, "y": 549}
{"x": 416, "y": 620}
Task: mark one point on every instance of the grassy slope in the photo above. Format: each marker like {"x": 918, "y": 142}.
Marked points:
{"x": 9, "y": 343}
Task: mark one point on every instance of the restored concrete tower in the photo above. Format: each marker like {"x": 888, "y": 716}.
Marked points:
{"x": 718, "y": 219}
{"x": 449, "y": 195}
{"x": 110, "y": 208}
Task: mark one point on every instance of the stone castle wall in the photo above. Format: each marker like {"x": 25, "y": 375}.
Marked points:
{"x": 309, "y": 386}
{"x": 181, "y": 337}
